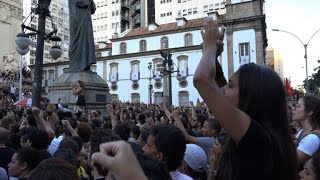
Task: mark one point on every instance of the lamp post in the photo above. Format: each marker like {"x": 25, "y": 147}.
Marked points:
{"x": 150, "y": 85}
{"x": 167, "y": 70}
{"x": 23, "y": 43}
{"x": 305, "y": 52}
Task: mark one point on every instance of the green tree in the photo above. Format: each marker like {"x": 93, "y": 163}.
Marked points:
{"x": 314, "y": 81}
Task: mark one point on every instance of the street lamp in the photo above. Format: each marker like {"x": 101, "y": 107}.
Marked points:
{"x": 23, "y": 44}
{"x": 167, "y": 70}
{"x": 305, "y": 52}
{"x": 150, "y": 85}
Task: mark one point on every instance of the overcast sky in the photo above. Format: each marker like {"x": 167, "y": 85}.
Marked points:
{"x": 302, "y": 18}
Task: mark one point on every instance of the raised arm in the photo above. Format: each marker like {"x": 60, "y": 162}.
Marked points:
{"x": 113, "y": 118}
{"x": 178, "y": 124}
{"x": 41, "y": 123}
{"x": 233, "y": 120}
{"x": 66, "y": 124}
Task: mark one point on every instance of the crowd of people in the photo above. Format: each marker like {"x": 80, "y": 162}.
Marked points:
{"x": 245, "y": 130}
{"x": 8, "y": 77}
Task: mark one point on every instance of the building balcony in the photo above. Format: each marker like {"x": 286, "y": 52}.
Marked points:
{"x": 125, "y": 18}
{"x": 125, "y": 4}
{"x": 136, "y": 10}
{"x": 134, "y": 1}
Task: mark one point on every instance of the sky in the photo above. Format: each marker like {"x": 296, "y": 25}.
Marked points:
{"x": 302, "y": 18}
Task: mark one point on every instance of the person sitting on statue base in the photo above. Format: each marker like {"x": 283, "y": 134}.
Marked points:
{"x": 78, "y": 91}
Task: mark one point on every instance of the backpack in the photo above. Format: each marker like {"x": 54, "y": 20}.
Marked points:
{"x": 300, "y": 137}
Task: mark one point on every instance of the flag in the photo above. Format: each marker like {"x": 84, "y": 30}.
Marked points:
{"x": 288, "y": 87}
{"x": 198, "y": 103}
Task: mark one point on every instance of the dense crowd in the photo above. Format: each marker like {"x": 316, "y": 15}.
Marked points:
{"x": 245, "y": 130}
{"x": 8, "y": 77}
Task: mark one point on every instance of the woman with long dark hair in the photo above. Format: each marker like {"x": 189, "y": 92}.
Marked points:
{"x": 252, "y": 109}
{"x": 307, "y": 113}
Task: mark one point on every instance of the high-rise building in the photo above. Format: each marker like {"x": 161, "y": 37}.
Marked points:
{"x": 117, "y": 17}
{"x": 274, "y": 61}
{"x": 169, "y": 10}
{"x": 59, "y": 18}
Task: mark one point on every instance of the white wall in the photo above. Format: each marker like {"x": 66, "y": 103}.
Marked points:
{"x": 243, "y": 37}
{"x": 124, "y": 83}
{"x": 153, "y": 43}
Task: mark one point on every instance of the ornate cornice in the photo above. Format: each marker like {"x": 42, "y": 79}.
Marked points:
{"x": 8, "y": 10}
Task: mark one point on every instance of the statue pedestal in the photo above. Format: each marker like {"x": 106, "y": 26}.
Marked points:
{"x": 95, "y": 88}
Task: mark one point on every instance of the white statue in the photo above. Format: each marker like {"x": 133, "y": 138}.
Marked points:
{"x": 10, "y": 62}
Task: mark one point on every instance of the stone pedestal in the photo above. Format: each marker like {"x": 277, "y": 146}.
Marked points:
{"x": 96, "y": 90}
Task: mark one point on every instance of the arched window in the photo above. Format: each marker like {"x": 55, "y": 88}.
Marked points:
{"x": 164, "y": 43}
{"x": 123, "y": 48}
{"x": 135, "y": 70}
{"x": 143, "y": 45}
{"x": 135, "y": 97}
{"x": 183, "y": 98}
{"x": 183, "y": 65}
{"x": 188, "y": 40}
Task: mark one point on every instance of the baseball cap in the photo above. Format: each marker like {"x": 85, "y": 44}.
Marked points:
{"x": 195, "y": 157}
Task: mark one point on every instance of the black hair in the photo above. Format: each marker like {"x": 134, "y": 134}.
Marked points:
{"x": 312, "y": 103}
{"x": 142, "y": 118}
{"x": 135, "y": 131}
{"x": 39, "y": 138}
{"x": 201, "y": 118}
{"x": 123, "y": 130}
{"x": 30, "y": 156}
{"x": 153, "y": 168}
{"x": 262, "y": 96}
{"x": 214, "y": 124}
{"x": 98, "y": 137}
{"x": 68, "y": 143}
{"x": 171, "y": 142}
{"x": 54, "y": 169}
{"x": 78, "y": 140}
{"x": 68, "y": 155}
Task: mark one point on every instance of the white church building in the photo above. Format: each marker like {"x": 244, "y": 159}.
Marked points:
{"x": 133, "y": 62}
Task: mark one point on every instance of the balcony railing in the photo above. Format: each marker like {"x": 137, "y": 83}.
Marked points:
{"x": 125, "y": 18}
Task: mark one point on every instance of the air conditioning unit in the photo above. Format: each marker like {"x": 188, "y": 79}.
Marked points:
{"x": 183, "y": 72}
{"x": 50, "y": 81}
{"x": 44, "y": 82}
{"x": 157, "y": 76}
{"x": 244, "y": 60}
{"x": 113, "y": 78}
{"x": 134, "y": 76}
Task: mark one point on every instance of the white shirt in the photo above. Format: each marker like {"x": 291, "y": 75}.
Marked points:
{"x": 55, "y": 144}
{"x": 176, "y": 175}
{"x": 309, "y": 144}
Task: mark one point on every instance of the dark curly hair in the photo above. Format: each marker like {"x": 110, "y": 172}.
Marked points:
{"x": 123, "y": 130}
{"x": 171, "y": 142}
{"x": 54, "y": 169}
{"x": 39, "y": 138}
{"x": 312, "y": 103}
{"x": 84, "y": 131}
{"x": 98, "y": 137}
{"x": 30, "y": 156}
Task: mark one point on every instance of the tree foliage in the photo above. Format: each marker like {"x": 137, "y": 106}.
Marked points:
{"x": 314, "y": 81}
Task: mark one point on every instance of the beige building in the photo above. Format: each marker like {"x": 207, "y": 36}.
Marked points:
{"x": 10, "y": 15}
{"x": 274, "y": 61}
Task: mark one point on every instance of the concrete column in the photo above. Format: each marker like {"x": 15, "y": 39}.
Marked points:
{"x": 230, "y": 51}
